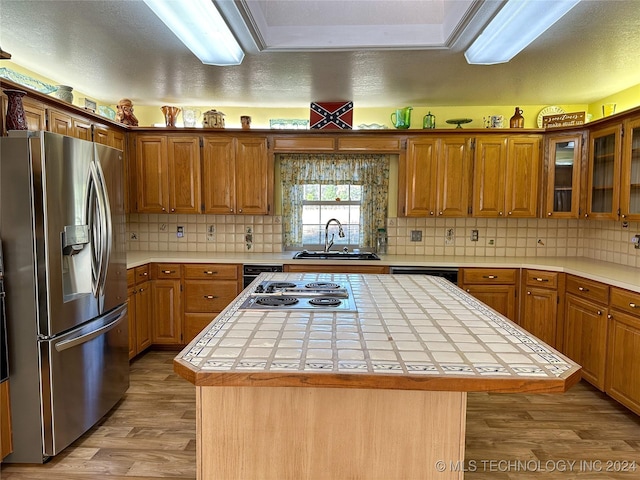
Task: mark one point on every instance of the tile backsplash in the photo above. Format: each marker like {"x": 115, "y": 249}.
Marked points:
{"x": 501, "y": 237}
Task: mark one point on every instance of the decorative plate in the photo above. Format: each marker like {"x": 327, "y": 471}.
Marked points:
{"x": 27, "y": 81}
{"x": 551, "y": 110}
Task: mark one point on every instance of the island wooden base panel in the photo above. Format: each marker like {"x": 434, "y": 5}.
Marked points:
{"x": 313, "y": 433}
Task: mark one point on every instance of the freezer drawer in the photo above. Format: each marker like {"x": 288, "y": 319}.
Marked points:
{"x": 85, "y": 373}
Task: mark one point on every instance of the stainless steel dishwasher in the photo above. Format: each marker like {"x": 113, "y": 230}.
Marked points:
{"x": 449, "y": 273}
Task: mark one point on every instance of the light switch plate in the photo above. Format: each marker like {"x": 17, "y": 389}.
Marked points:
{"x": 416, "y": 235}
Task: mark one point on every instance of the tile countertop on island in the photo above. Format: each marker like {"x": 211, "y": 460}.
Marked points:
{"x": 610, "y": 273}
{"x": 409, "y": 333}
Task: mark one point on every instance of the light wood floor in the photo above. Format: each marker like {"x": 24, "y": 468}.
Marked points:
{"x": 151, "y": 435}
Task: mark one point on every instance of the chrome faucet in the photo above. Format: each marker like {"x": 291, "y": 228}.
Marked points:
{"x": 328, "y": 244}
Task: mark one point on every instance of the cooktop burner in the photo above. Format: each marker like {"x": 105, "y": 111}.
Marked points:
{"x": 325, "y": 301}
{"x": 276, "y": 301}
{"x": 326, "y": 285}
{"x": 300, "y": 295}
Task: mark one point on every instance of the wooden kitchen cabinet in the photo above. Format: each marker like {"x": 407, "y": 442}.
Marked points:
{"x": 116, "y": 139}
{"x": 167, "y": 174}
{"x": 630, "y": 172}
{"x": 585, "y": 338}
{"x": 6, "y": 435}
{"x": 434, "y": 177}
{"x": 563, "y": 175}
{"x": 603, "y": 185}
{"x": 166, "y": 324}
{"x": 35, "y": 114}
{"x": 139, "y": 300}
{"x": 506, "y": 176}
{"x": 237, "y": 175}
{"x": 541, "y": 305}
{"x": 208, "y": 289}
{"x": 496, "y": 287}
{"x": 70, "y": 125}
{"x": 622, "y": 379}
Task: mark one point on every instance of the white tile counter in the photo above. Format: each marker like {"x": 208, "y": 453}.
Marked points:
{"x": 409, "y": 332}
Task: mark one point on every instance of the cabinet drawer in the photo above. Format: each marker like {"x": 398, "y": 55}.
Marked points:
{"x": 368, "y": 144}
{"x": 537, "y": 278}
{"x": 589, "y": 289}
{"x": 166, "y": 270}
{"x": 211, "y": 270}
{"x": 212, "y": 296}
{"x": 304, "y": 144}
{"x": 625, "y": 300}
{"x": 142, "y": 274}
{"x": 490, "y": 276}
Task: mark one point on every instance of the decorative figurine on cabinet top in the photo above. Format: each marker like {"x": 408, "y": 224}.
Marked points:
{"x": 517, "y": 121}
{"x": 125, "y": 113}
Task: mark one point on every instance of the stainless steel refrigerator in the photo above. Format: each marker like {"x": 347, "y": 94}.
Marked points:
{"x": 62, "y": 225}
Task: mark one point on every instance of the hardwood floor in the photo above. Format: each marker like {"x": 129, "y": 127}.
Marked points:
{"x": 151, "y": 435}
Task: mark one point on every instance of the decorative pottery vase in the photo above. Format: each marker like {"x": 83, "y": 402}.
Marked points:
{"x": 517, "y": 121}
{"x": 15, "y": 119}
{"x": 170, "y": 115}
{"x": 64, "y": 93}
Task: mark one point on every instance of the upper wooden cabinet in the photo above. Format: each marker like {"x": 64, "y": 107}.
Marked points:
{"x": 563, "y": 175}
{"x": 506, "y": 176}
{"x": 434, "y": 177}
{"x": 603, "y": 185}
{"x": 67, "y": 124}
{"x": 237, "y": 175}
{"x": 630, "y": 172}
{"x": 167, "y": 174}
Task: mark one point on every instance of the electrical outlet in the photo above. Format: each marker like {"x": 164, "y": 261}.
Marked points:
{"x": 211, "y": 229}
{"x": 416, "y": 235}
{"x": 636, "y": 241}
{"x": 474, "y": 235}
{"x": 491, "y": 241}
{"x": 449, "y": 236}
{"x": 180, "y": 231}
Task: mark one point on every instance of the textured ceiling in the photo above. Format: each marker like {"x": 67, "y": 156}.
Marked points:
{"x": 113, "y": 49}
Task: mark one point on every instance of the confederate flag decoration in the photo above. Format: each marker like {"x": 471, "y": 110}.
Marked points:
{"x": 331, "y": 115}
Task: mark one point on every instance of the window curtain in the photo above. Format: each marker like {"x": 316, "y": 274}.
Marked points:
{"x": 368, "y": 170}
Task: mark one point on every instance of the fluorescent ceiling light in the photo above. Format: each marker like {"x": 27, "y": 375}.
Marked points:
{"x": 515, "y": 26}
{"x": 199, "y": 25}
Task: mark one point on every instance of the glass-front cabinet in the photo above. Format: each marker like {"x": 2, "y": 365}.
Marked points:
{"x": 563, "y": 176}
{"x": 604, "y": 173}
{"x": 630, "y": 184}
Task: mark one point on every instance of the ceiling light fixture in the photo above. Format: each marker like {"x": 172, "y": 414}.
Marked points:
{"x": 199, "y": 25}
{"x": 514, "y": 27}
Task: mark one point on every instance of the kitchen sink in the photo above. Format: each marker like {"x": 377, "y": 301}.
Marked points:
{"x": 321, "y": 255}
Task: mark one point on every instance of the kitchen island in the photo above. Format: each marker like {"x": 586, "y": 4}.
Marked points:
{"x": 377, "y": 391}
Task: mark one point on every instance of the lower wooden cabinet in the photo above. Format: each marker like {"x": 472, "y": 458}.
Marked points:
{"x": 166, "y": 299}
{"x": 585, "y": 339}
{"x": 6, "y": 444}
{"x": 139, "y": 311}
{"x": 496, "y": 287}
{"x": 622, "y": 379}
{"x": 208, "y": 289}
{"x": 541, "y": 305}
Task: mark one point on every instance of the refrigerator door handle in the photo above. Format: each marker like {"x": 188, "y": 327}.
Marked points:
{"x": 107, "y": 232}
{"x": 73, "y": 342}
{"x": 97, "y": 213}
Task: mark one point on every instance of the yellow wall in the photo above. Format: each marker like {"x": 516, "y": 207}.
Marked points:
{"x": 151, "y": 115}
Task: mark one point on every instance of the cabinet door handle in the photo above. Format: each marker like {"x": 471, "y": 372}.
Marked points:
{"x": 143, "y": 274}
{"x": 582, "y": 289}
{"x": 209, "y": 272}
{"x": 432, "y": 213}
{"x": 633, "y": 305}
{"x": 173, "y": 209}
{"x": 141, "y": 290}
{"x": 492, "y": 277}
{"x": 500, "y": 213}
{"x": 210, "y": 297}
{"x": 609, "y": 316}
{"x": 549, "y": 214}
{"x": 528, "y": 293}
{"x": 541, "y": 279}
{"x": 440, "y": 212}
{"x": 468, "y": 291}
{"x": 240, "y": 210}
{"x": 168, "y": 271}
{"x": 599, "y": 312}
